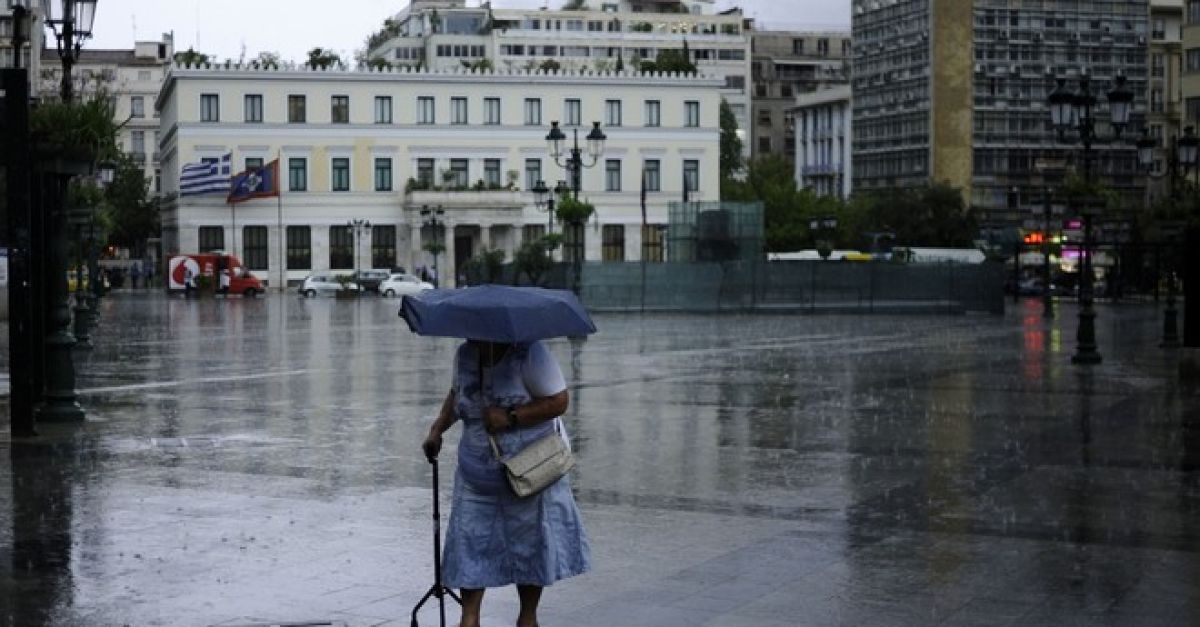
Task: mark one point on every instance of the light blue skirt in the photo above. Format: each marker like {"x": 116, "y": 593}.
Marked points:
{"x": 495, "y": 539}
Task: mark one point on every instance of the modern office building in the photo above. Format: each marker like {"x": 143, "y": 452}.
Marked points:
{"x": 787, "y": 64}
{"x": 132, "y": 79}
{"x": 955, "y": 91}
{"x": 385, "y": 146}
{"x": 823, "y": 126}
{"x": 442, "y": 34}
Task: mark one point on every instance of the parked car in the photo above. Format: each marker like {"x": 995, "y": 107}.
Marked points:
{"x": 402, "y": 284}
{"x": 369, "y": 280}
{"x": 314, "y": 284}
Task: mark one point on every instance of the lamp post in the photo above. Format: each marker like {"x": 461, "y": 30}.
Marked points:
{"x": 820, "y": 228}
{"x": 107, "y": 172}
{"x": 1074, "y": 110}
{"x": 543, "y": 199}
{"x": 1182, "y": 156}
{"x": 357, "y": 228}
{"x": 71, "y": 21}
{"x": 574, "y": 163}
{"x": 431, "y": 217}
{"x": 20, "y": 30}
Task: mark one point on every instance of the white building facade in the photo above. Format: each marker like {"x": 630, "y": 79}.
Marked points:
{"x": 823, "y": 130}
{"x": 383, "y": 146}
{"x": 443, "y": 34}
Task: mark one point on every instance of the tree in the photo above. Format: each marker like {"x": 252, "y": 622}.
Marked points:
{"x": 479, "y": 65}
{"x": 191, "y": 58}
{"x": 133, "y": 218}
{"x": 267, "y": 60}
{"x": 533, "y": 258}
{"x": 575, "y": 5}
{"x": 787, "y": 210}
{"x": 931, "y": 215}
{"x": 378, "y": 63}
{"x": 550, "y": 65}
{"x": 320, "y": 58}
{"x": 731, "y": 144}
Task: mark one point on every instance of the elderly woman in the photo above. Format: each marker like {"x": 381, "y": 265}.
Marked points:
{"x": 494, "y": 538}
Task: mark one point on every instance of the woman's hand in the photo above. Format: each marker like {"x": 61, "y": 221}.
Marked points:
{"x": 495, "y": 419}
{"x": 432, "y": 446}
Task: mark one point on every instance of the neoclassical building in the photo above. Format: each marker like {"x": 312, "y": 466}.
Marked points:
{"x": 382, "y": 147}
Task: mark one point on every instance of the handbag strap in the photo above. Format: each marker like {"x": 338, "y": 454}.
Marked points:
{"x": 496, "y": 445}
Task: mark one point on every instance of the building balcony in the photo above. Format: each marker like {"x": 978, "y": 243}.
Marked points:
{"x": 468, "y": 199}
{"x": 822, "y": 169}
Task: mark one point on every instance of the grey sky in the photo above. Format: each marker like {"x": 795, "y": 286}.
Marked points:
{"x": 292, "y": 27}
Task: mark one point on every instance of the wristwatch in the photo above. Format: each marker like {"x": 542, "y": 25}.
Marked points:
{"x": 512, "y": 418}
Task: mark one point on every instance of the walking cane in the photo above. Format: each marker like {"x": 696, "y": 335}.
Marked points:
{"x": 437, "y": 590}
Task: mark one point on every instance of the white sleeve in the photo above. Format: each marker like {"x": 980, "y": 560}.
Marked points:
{"x": 541, "y": 373}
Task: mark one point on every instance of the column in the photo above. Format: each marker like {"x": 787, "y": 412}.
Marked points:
{"x": 446, "y": 270}
{"x": 414, "y": 249}
{"x": 485, "y": 237}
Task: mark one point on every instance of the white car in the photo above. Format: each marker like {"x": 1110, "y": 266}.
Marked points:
{"x": 323, "y": 284}
{"x": 402, "y": 284}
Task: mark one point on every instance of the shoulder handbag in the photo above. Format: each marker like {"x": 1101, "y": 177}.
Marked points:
{"x": 538, "y": 465}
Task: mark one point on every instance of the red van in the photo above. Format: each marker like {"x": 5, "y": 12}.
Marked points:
{"x": 241, "y": 281}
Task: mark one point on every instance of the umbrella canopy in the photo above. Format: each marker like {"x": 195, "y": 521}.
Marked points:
{"x": 496, "y": 313}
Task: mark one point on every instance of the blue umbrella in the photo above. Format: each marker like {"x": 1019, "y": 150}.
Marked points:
{"x": 496, "y": 313}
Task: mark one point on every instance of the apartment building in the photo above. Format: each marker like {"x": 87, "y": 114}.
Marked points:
{"x": 1191, "y": 64}
{"x": 823, "y": 127}
{"x": 955, "y": 91}
{"x": 442, "y": 34}
{"x": 132, "y": 78}
{"x": 787, "y": 64}
{"x": 383, "y": 146}
{"x": 1164, "y": 116}
{"x": 35, "y": 35}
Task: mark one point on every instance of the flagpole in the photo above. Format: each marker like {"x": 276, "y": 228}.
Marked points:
{"x": 279, "y": 224}
{"x": 644, "y": 247}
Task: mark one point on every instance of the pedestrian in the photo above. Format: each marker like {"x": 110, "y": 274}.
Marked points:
{"x": 225, "y": 281}
{"x": 135, "y": 273}
{"x": 515, "y": 392}
{"x": 189, "y": 282}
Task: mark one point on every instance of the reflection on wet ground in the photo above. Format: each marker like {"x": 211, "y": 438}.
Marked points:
{"x": 247, "y": 461}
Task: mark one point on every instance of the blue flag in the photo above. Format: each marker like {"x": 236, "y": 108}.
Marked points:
{"x": 255, "y": 183}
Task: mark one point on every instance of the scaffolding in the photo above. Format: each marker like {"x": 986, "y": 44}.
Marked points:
{"x": 715, "y": 231}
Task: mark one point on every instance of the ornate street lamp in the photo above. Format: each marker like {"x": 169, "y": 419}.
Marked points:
{"x": 71, "y": 21}
{"x": 574, "y": 163}
{"x": 543, "y": 199}
{"x": 431, "y": 217}
{"x": 1077, "y": 111}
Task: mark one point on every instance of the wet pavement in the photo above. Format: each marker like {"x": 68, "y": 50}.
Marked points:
{"x": 253, "y": 461}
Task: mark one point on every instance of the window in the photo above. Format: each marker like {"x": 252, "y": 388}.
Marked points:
{"x": 798, "y": 46}
{"x": 297, "y": 106}
{"x": 653, "y": 112}
{"x": 572, "y": 112}
{"x": 460, "y": 173}
{"x": 341, "y": 247}
{"x": 532, "y": 232}
{"x": 533, "y": 111}
{"x": 613, "y": 242}
{"x": 137, "y": 144}
{"x": 533, "y": 172}
{"x": 652, "y": 242}
{"x": 340, "y": 174}
{"x": 458, "y": 110}
{"x": 491, "y": 110}
{"x": 691, "y": 175}
{"x": 137, "y": 106}
{"x": 425, "y": 110}
{"x": 144, "y": 75}
{"x": 823, "y": 47}
{"x": 491, "y": 172}
{"x": 425, "y": 172}
{"x": 210, "y": 109}
{"x": 1193, "y": 60}
{"x": 764, "y": 144}
{"x": 691, "y": 113}
{"x": 612, "y": 112}
{"x": 297, "y": 174}
{"x": 651, "y": 171}
{"x": 299, "y": 248}
{"x": 211, "y": 238}
{"x": 573, "y": 242}
{"x": 254, "y": 247}
{"x": 339, "y": 109}
{"x": 383, "y": 246}
{"x": 612, "y": 175}
{"x": 253, "y": 108}
{"x": 253, "y": 163}
{"x": 383, "y": 174}
{"x": 383, "y": 109}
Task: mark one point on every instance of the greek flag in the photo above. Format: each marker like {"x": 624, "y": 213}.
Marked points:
{"x": 211, "y": 177}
